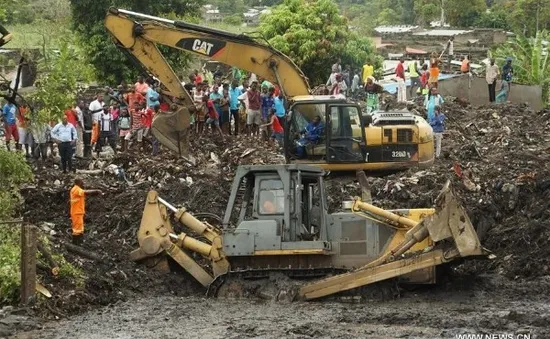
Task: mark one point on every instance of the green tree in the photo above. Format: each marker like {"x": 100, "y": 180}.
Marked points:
{"x": 111, "y": 64}
{"x": 530, "y": 16}
{"x": 530, "y": 60}
{"x": 59, "y": 81}
{"x": 427, "y": 11}
{"x": 388, "y": 16}
{"x": 457, "y": 13}
{"x": 460, "y": 14}
{"x": 234, "y": 20}
{"x": 496, "y": 17}
{"x": 231, "y": 7}
{"x": 314, "y": 35}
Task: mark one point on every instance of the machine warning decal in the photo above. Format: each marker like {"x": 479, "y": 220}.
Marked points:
{"x": 208, "y": 47}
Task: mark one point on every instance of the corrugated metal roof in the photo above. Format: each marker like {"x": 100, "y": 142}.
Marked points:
{"x": 443, "y": 32}
{"x": 395, "y": 29}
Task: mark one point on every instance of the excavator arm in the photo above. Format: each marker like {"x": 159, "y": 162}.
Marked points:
{"x": 142, "y": 38}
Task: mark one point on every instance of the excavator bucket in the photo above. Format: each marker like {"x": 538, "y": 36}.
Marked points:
{"x": 171, "y": 128}
{"x": 450, "y": 230}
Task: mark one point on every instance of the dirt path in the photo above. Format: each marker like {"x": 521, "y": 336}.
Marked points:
{"x": 422, "y": 315}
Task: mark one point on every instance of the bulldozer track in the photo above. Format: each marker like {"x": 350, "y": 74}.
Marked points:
{"x": 244, "y": 284}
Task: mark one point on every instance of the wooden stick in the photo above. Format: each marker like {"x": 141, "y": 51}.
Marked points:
{"x": 82, "y": 252}
{"x": 54, "y": 267}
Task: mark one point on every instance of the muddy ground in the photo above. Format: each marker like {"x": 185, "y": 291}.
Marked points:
{"x": 424, "y": 313}
{"x": 495, "y": 156}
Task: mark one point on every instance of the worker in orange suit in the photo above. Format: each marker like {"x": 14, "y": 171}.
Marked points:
{"x": 77, "y": 201}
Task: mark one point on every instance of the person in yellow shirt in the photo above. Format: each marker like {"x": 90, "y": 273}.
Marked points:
{"x": 368, "y": 71}
{"x": 77, "y": 202}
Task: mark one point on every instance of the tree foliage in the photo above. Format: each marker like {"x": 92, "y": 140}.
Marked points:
{"x": 59, "y": 82}
{"x": 314, "y": 35}
{"x": 111, "y": 64}
{"x": 457, "y": 13}
{"x": 530, "y": 60}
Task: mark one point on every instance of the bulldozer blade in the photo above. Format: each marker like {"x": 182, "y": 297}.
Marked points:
{"x": 171, "y": 130}
{"x": 450, "y": 221}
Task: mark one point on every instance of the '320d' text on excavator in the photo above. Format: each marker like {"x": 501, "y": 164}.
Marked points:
{"x": 277, "y": 223}
{"x": 351, "y": 141}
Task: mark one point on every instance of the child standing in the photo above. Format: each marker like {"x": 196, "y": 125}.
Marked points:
{"x": 124, "y": 126}
{"x": 278, "y": 131}
{"x": 213, "y": 116}
{"x": 438, "y": 125}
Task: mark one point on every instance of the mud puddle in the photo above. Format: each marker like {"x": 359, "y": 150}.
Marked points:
{"x": 431, "y": 315}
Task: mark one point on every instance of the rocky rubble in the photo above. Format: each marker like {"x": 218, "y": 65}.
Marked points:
{"x": 495, "y": 156}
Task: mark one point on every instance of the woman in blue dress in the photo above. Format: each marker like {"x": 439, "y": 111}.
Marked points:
{"x": 432, "y": 100}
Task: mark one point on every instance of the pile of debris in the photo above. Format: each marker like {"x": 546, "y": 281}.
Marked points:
{"x": 112, "y": 220}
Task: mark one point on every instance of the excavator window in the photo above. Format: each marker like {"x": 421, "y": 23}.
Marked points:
{"x": 346, "y": 134}
{"x": 272, "y": 197}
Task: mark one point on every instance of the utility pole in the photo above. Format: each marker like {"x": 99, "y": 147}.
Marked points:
{"x": 442, "y": 19}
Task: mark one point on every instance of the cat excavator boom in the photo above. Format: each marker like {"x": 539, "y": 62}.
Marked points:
{"x": 351, "y": 141}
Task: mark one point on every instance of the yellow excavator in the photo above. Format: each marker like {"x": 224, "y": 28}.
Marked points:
{"x": 385, "y": 140}
{"x": 277, "y": 222}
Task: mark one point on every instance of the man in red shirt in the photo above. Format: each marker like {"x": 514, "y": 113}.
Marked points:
{"x": 198, "y": 78}
{"x": 400, "y": 75}
{"x": 147, "y": 119}
{"x": 141, "y": 86}
{"x": 136, "y": 112}
{"x": 134, "y": 97}
{"x": 71, "y": 117}
{"x": 254, "y": 113}
{"x": 213, "y": 116}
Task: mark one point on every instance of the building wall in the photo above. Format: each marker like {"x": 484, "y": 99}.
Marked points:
{"x": 478, "y": 93}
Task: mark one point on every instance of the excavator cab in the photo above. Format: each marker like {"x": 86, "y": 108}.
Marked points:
{"x": 341, "y": 140}
{"x": 352, "y": 140}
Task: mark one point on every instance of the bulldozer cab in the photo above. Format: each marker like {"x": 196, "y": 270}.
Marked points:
{"x": 280, "y": 204}
{"x": 342, "y": 138}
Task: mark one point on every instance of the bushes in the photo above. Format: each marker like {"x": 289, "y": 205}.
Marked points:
{"x": 15, "y": 171}
{"x": 9, "y": 263}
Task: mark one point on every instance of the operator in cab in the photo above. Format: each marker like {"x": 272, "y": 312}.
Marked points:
{"x": 311, "y": 135}
{"x": 268, "y": 205}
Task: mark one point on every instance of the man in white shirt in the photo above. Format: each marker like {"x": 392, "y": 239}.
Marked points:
{"x": 79, "y": 130}
{"x": 491, "y": 78}
{"x": 64, "y": 134}
{"x": 450, "y": 50}
{"x": 96, "y": 107}
{"x": 105, "y": 133}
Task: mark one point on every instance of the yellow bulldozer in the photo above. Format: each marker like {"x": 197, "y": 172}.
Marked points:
{"x": 277, "y": 222}
{"x": 352, "y": 140}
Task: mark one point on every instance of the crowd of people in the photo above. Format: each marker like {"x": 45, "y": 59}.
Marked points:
{"x": 226, "y": 103}
{"x": 122, "y": 117}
